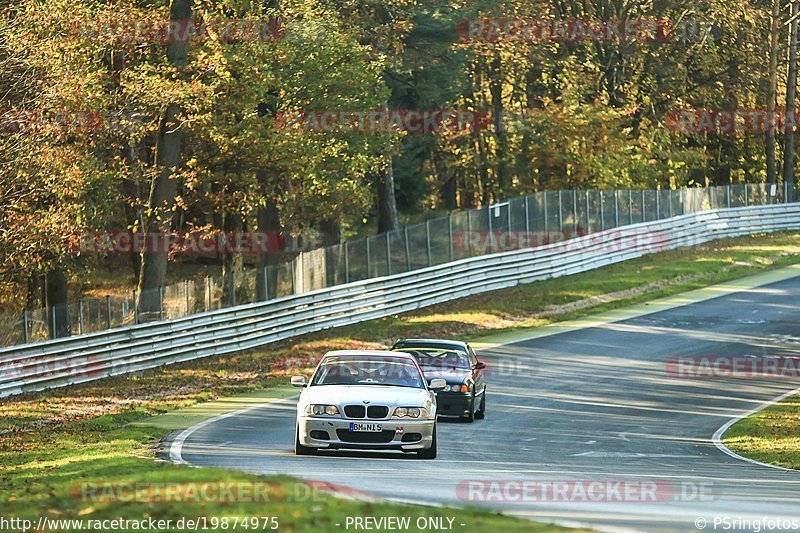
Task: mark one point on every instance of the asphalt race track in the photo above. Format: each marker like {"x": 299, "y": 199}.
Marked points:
{"x": 596, "y": 404}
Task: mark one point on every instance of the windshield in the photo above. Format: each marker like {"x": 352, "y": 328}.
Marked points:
{"x": 434, "y": 357}
{"x": 365, "y": 370}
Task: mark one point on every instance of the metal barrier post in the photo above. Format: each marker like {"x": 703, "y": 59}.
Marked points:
{"x": 264, "y": 273}
{"x": 616, "y": 208}
{"x": 233, "y": 288}
{"x": 80, "y": 317}
{"x": 135, "y": 308}
{"x": 160, "y": 303}
{"x": 25, "y": 331}
{"x": 658, "y": 204}
{"x": 728, "y": 194}
{"x": 108, "y": 311}
{"x": 186, "y": 293}
{"x": 575, "y": 211}
{"x": 560, "y": 213}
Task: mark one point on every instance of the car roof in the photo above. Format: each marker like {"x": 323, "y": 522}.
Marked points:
{"x": 432, "y": 342}
{"x": 372, "y": 353}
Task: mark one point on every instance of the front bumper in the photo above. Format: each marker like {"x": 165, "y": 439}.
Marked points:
{"x": 418, "y": 434}
{"x": 454, "y": 403}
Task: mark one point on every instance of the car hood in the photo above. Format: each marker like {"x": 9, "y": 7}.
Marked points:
{"x": 374, "y": 394}
{"x": 451, "y": 375}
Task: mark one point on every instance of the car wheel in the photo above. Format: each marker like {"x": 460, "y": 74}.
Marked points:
{"x": 481, "y": 414}
{"x": 299, "y": 449}
{"x": 471, "y": 416}
{"x": 430, "y": 453}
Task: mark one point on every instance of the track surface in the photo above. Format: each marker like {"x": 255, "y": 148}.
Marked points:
{"x": 593, "y": 404}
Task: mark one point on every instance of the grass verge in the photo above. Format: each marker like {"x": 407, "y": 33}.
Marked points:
{"x": 52, "y": 442}
{"x": 770, "y": 436}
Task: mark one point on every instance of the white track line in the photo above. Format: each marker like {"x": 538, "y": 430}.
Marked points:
{"x": 717, "y": 437}
{"x": 176, "y": 447}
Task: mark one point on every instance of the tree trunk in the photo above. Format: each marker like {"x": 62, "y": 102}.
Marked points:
{"x": 501, "y": 149}
{"x": 232, "y": 260}
{"x": 791, "y": 91}
{"x": 387, "y": 206}
{"x": 169, "y": 152}
{"x": 772, "y": 90}
{"x": 57, "y": 312}
{"x": 268, "y": 221}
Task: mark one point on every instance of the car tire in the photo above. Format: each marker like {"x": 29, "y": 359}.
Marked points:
{"x": 299, "y": 449}
{"x": 429, "y": 453}
{"x": 481, "y": 414}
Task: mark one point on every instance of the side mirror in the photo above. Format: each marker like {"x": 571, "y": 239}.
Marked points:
{"x": 480, "y": 365}
{"x": 298, "y": 381}
{"x": 437, "y": 384}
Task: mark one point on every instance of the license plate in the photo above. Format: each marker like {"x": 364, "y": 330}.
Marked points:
{"x": 365, "y": 428}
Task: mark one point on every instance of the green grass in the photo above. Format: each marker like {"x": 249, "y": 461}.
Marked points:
{"x": 770, "y": 436}
{"x": 105, "y": 431}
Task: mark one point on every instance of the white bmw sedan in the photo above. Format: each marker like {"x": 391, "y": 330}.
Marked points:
{"x": 377, "y": 400}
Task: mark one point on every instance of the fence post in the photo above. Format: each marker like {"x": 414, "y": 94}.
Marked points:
{"x": 728, "y": 194}
{"x": 588, "y": 222}
{"x": 135, "y": 308}
{"x": 644, "y": 210}
{"x": 80, "y": 317}
{"x": 469, "y": 233}
{"x": 544, "y": 196}
{"x": 786, "y": 192}
{"x": 658, "y": 204}
{"x": 186, "y": 292}
{"x": 265, "y": 275}
{"x": 346, "y": 267}
{"x": 450, "y": 236}
{"x": 671, "y": 212}
{"x": 491, "y": 239}
{"x": 560, "y": 213}
{"x": 616, "y": 208}
{"x": 746, "y": 199}
{"x": 388, "y": 254}
{"x": 428, "y": 239}
{"x": 369, "y": 264}
{"x": 575, "y": 211}
{"x": 54, "y": 333}
{"x": 233, "y": 288}
{"x": 293, "y": 273}
{"x": 25, "y": 331}
{"x": 630, "y": 206}
{"x": 208, "y": 293}
{"x": 108, "y": 311}
{"x": 527, "y": 216}
{"x": 602, "y": 212}
{"x": 408, "y": 255}
{"x": 160, "y": 303}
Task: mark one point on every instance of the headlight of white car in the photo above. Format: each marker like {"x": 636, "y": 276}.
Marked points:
{"x": 410, "y": 412}
{"x": 322, "y": 410}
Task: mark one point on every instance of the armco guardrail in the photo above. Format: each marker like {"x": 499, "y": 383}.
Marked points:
{"x": 118, "y": 351}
